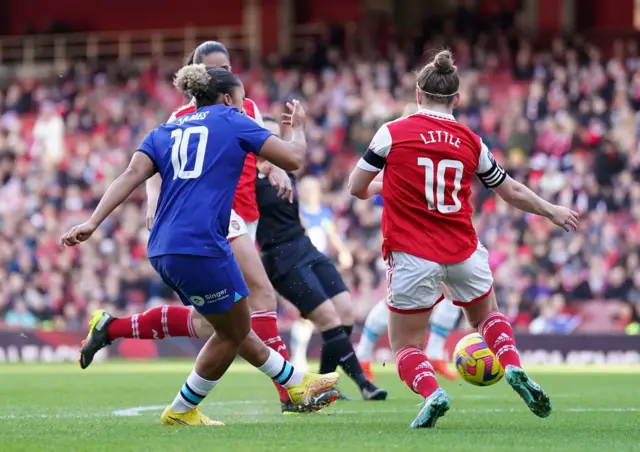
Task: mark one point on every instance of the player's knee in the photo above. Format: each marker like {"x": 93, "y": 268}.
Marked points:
{"x": 325, "y": 317}
{"x": 201, "y": 326}
{"x": 344, "y": 308}
{"x": 238, "y": 334}
{"x": 262, "y": 297}
{"x": 476, "y": 312}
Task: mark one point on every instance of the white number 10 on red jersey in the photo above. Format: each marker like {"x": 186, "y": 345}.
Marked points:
{"x": 434, "y": 183}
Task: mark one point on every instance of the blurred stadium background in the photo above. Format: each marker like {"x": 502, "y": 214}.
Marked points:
{"x": 552, "y": 86}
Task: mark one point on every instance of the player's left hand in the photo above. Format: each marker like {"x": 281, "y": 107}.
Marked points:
{"x": 77, "y": 234}
{"x": 345, "y": 259}
{"x": 564, "y": 217}
{"x": 279, "y": 179}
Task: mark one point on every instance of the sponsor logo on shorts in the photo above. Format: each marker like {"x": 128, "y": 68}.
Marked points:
{"x": 197, "y": 301}
{"x": 218, "y": 296}
{"x": 209, "y": 298}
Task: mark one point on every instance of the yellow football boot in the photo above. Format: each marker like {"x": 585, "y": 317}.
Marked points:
{"x": 193, "y": 417}
{"x": 311, "y": 386}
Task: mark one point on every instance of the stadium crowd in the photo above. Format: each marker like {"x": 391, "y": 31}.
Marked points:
{"x": 565, "y": 120}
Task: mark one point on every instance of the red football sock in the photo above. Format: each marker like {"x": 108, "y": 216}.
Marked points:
{"x": 156, "y": 323}
{"x": 496, "y": 331}
{"x": 415, "y": 370}
{"x": 265, "y": 325}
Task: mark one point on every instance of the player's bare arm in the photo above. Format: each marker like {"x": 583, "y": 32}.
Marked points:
{"x": 521, "y": 197}
{"x": 365, "y": 180}
{"x": 277, "y": 177}
{"x": 362, "y": 183}
{"x": 152, "y": 188}
{"x": 140, "y": 169}
{"x": 288, "y": 155}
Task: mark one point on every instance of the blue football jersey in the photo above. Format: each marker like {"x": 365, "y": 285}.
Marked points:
{"x": 200, "y": 157}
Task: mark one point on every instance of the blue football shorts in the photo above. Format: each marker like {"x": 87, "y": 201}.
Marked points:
{"x": 210, "y": 284}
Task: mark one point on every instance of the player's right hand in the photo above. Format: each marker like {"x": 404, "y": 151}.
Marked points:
{"x": 345, "y": 260}
{"x": 564, "y": 217}
{"x": 297, "y": 117}
{"x": 151, "y": 213}
{"x": 149, "y": 218}
{"x": 279, "y": 179}
{"x": 77, "y": 234}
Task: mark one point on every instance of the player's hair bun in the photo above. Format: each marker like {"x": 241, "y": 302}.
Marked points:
{"x": 192, "y": 80}
{"x": 443, "y": 62}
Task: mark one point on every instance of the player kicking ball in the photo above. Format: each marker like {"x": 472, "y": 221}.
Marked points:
{"x": 180, "y": 321}
{"x": 200, "y": 158}
{"x": 429, "y": 161}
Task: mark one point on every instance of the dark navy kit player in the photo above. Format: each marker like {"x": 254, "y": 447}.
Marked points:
{"x": 308, "y": 279}
{"x": 200, "y": 158}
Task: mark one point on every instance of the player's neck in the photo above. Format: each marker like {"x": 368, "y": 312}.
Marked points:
{"x": 438, "y": 108}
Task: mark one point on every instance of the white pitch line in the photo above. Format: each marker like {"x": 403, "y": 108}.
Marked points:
{"x": 135, "y": 411}
{"x": 250, "y": 412}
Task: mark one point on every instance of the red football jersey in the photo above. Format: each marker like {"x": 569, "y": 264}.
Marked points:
{"x": 244, "y": 202}
{"x": 429, "y": 161}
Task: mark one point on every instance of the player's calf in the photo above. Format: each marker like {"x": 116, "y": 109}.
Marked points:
{"x": 417, "y": 373}
{"x": 158, "y": 323}
{"x": 497, "y": 333}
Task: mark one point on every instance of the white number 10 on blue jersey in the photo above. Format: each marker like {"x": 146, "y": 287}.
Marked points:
{"x": 179, "y": 151}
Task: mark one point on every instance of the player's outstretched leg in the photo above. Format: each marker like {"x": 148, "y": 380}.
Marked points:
{"x": 374, "y": 326}
{"x": 443, "y": 320}
{"x": 156, "y": 323}
{"x": 104, "y": 328}
{"x": 497, "y": 333}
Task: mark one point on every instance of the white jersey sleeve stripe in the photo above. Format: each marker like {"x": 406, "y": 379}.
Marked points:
{"x": 490, "y": 173}
{"x": 376, "y": 156}
{"x": 381, "y": 142}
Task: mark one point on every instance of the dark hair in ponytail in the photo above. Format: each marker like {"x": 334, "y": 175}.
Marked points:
{"x": 438, "y": 80}
{"x": 204, "y": 49}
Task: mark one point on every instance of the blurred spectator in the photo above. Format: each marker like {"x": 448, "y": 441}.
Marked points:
{"x": 48, "y": 135}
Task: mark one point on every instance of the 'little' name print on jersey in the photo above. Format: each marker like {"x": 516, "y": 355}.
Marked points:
{"x": 440, "y": 136}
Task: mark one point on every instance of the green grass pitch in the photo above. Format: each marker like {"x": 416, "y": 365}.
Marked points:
{"x": 116, "y": 407}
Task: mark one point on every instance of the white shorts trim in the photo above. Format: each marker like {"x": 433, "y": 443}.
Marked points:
{"x": 414, "y": 284}
{"x": 239, "y": 227}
